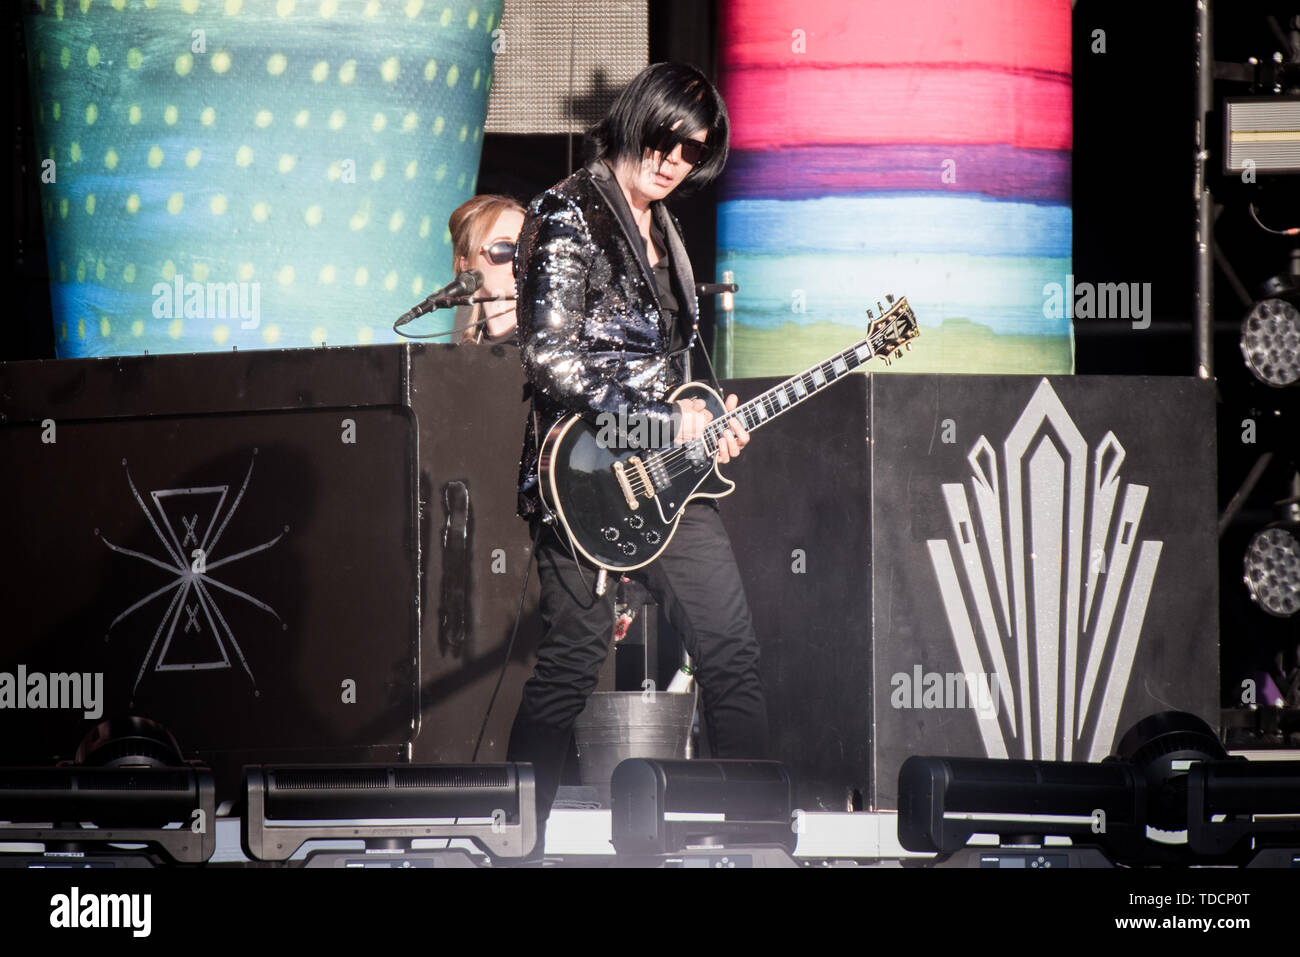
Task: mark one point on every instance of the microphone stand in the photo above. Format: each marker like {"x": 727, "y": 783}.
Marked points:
{"x": 452, "y": 302}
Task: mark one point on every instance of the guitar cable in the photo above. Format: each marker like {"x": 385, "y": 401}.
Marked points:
{"x": 550, "y": 519}
{"x": 510, "y": 646}
{"x": 546, "y": 521}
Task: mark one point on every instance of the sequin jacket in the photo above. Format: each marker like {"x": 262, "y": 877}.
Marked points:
{"x": 591, "y": 332}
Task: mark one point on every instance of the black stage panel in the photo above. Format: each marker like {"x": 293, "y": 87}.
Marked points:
{"x": 1035, "y": 558}
{"x": 800, "y": 526}
{"x": 292, "y": 472}
{"x": 475, "y": 551}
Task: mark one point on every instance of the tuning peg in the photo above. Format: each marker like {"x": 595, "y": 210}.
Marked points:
{"x": 898, "y": 354}
{"x": 885, "y": 358}
{"x": 869, "y": 315}
{"x": 880, "y": 307}
{"x": 889, "y": 298}
{"x": 909, "y": 345}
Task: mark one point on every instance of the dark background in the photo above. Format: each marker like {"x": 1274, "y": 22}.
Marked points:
{"x": 1133, "y": 159}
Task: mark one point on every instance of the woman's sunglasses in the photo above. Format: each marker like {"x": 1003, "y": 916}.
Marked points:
{"x": 500, "y": 252}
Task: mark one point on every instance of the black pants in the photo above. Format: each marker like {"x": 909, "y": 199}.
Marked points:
{"x": 697, "y": 583}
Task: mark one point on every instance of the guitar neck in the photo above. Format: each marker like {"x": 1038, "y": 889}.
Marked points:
{"x": 799, "y": 388}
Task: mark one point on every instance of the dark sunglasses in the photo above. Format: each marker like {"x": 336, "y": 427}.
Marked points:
{"x": 500, "y": 252}
{"x": 693, "y": 151}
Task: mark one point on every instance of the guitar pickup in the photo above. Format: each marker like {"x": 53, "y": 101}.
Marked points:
{"x": 621, "y": 474}
{"x": 643, "y": 475}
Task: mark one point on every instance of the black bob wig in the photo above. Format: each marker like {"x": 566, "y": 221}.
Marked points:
{"x": 643, "y": 115}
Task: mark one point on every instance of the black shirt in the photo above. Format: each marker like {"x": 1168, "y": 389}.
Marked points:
{"x": 666, "y": 286}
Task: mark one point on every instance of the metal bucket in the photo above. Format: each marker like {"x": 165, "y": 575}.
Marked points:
{"x": 617, "y": 725}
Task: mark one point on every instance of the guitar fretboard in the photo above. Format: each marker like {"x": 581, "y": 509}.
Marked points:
{"x": 799, "y": 388}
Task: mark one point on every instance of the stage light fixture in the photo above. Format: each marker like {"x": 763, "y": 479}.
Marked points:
{"x": 388, "y": 807}
{"x": 1120, "y": 805}
{"x": 663, "y": 807}
{"x": 129, "y": 741}
{"x": 1240, "y": 809}
{"x": 1261, "y": 134}
{"x": 1162, "y": 747}
{"x": 943, "y": 802}
{"x": 1272, "y": 570}
{"x": 173, "y": 810}
{"x": 1270, "y": 342}
{"x": 129, "y": 784}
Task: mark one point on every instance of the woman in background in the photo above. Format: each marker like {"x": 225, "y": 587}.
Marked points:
{"x": 484, "y": 230}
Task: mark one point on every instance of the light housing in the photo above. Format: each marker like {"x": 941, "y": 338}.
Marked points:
{"x": 1262, "y": 134}
{"x": 1272, "y": 570}
{"x": 662, "y": 806}
{"x": 493, "y": 805}
{"x": 1270, "y": 342}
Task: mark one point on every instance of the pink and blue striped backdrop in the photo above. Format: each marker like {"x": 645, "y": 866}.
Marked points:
{"x": 918, "y": 148}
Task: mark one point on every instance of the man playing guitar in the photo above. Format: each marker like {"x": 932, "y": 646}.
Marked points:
{"x": 606, "y": 310}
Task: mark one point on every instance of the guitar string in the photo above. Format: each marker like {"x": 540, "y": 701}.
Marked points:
{"x": 717, "y": 426}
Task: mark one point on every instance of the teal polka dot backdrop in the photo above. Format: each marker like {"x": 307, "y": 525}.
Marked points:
{"x": 252, "y": 173}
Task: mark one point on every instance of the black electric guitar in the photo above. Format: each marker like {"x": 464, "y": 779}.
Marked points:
{"x": 620, "y": 506}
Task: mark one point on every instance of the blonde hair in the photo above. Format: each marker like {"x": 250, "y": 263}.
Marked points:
{"x": 469, "y": 226}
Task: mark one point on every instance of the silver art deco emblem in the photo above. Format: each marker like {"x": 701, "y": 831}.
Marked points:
{"x": 1045, "y": 584}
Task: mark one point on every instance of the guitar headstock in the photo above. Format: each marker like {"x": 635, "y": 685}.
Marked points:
{"x": 893, "y": 331}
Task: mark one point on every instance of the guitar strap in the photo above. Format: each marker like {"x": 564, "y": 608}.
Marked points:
{"x": 685, "y": 277}
{"x": 713, "y": 377}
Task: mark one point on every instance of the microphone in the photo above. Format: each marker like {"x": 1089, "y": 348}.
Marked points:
{"x": 463, "y": 285}
{"x": 715, "y": 288}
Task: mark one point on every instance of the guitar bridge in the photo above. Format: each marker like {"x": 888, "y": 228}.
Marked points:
{"x": 643, "y": 475}
{"x": 621, "y": 474}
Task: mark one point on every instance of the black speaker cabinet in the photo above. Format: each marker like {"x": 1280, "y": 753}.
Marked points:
{"x": 279, "y": 555}
{"x": 475, "y": 551}
{"x": 982, "y": 566}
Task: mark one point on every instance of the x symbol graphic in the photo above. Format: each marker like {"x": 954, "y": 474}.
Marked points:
{"x": 189, "y": 530}
{"x": 193, "y": 612}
